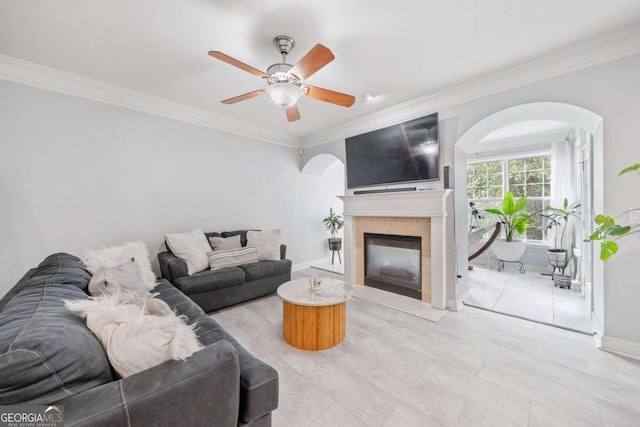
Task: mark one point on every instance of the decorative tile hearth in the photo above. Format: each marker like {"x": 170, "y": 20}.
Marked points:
{"x": 426, "y": 214}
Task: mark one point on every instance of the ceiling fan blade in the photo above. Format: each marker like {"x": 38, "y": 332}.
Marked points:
{"x": 316, "y": 58}
{"x": 327, "y": 95}
{"x": 243, "y": 97}
{"x": 232, "y": 61}
{"x": 293, "y": 113}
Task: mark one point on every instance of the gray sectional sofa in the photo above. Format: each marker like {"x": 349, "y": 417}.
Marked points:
{"x": 49, "y": 356}
{"x": 216, "y": 289}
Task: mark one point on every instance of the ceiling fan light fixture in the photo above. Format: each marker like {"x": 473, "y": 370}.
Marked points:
{"x": 284, "y": 94}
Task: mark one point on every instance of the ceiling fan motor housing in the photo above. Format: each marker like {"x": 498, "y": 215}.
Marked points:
{"x": 279, "y": 73}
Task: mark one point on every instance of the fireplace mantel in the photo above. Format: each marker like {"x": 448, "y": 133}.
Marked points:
{"x": 437, "y": 205}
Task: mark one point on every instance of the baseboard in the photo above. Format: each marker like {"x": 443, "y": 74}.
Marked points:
{"x": 454, "y": 304}
{"x": 597, "y": 328}
{"x": 493, "y": 265}
{"x": 308, "y": 264}
{"x": 620, "y": 346}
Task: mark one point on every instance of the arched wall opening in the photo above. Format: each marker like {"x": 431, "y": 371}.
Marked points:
{"x": 571, "y": 114}
{"x": 331, "y": 170}
{"x": 318, "y": 164}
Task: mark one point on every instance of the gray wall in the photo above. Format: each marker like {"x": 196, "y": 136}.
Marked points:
{"x": 77, "y": 174}
{"x": 611, "y": 90}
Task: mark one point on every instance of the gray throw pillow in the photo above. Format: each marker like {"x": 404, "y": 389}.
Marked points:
{"x": 222, "y": 243}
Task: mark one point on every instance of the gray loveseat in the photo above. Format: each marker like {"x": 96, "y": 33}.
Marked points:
{"x": 216, "y": 289}
{"x": 49, "y": 356}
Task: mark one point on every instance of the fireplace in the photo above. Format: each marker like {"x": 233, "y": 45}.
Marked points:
{"x": 393, "y": 263}
{"x": 427, "y": 214}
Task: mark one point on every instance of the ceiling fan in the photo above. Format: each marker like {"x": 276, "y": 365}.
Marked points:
{"x": 285, "y": 81}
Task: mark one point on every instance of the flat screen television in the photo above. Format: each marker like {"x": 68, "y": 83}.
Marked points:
{"x": 402, "y": 153}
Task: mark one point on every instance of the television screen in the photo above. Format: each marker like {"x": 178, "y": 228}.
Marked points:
{"x": 405, "y": 152}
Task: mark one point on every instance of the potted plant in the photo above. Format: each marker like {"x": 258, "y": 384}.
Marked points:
{"x": 515, "y": 220}
{"x": 608, "y": 230}
{"x": 562, "y": 279}
{"x": 558, "y": 220}
{"x": 334, "y": 223}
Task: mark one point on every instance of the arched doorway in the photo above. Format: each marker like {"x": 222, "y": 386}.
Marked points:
{"x": 330, "y": 168}
{"x": 577, "y": 117}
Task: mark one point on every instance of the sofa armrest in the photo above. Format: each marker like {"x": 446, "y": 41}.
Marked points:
{"x": 201, "y": 390}
{"x": 283, "y": 251}
{"x": 172, "y": 267}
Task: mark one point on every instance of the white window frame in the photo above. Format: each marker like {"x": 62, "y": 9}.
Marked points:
{"x": 505, "y": 179}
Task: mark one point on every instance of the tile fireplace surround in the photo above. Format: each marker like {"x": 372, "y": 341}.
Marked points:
{"x": 427, "y": 214}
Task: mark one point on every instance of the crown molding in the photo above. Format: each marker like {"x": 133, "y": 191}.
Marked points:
{"x": 31, "y": 74}
{"x": 589, "y": 53}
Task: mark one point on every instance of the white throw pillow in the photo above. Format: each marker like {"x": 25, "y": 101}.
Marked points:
{"x": 110, "y": 280}
{"x": 232, "y": 257}
{"x": 192, "y": 247}
{"x": 221, "y": 243}
{"x": 267, "y": 244}
{"x": 135, "y": 341}
{"x": 115, "y": 256}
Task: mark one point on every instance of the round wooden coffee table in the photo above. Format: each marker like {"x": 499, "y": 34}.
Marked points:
{"x": 314, "y": 320}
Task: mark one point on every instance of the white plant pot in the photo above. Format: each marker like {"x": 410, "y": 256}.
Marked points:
{"x": 557, "y": 257}
{"x": 509, "y": 251}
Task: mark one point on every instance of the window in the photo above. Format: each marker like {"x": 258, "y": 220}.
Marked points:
{"x": 488, "y": 181}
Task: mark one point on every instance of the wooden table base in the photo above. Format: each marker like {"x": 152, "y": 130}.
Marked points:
{"x": 313, "y": 328}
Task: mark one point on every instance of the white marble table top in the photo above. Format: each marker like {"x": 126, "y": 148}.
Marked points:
{"x": 330, "y": 292}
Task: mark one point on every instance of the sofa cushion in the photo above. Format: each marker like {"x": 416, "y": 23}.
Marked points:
{"x": 258, "y": 381}
{"x": 46, "y": 351}
{"x": 209, "y": 280}
{"x": 263, "y": 269}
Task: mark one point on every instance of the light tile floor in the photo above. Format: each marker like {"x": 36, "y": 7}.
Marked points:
{"x": 530, "y": 295}
{"x": 473, "y": 368}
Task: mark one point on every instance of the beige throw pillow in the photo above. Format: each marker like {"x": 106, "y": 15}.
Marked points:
{"x": 267, "y": 244}
{"x": 221, "y": 243}
{"x": 116, "y": 256}
{"x": 192, "y": 247}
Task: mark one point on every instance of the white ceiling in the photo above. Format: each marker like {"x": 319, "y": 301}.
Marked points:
{"x": 398, "y": 50}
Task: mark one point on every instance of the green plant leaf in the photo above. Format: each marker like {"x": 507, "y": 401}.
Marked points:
{"x": 608, "y": 249}
{"x": 508, "y": 204}
{"x": 628, "y": 169}
{"x": 521, "y": 204}
{"x": 521, "y": 226}
{"x": 618, "y": 230}
{"x": 494, "y": 211}
{"x": 604, "y": 220}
